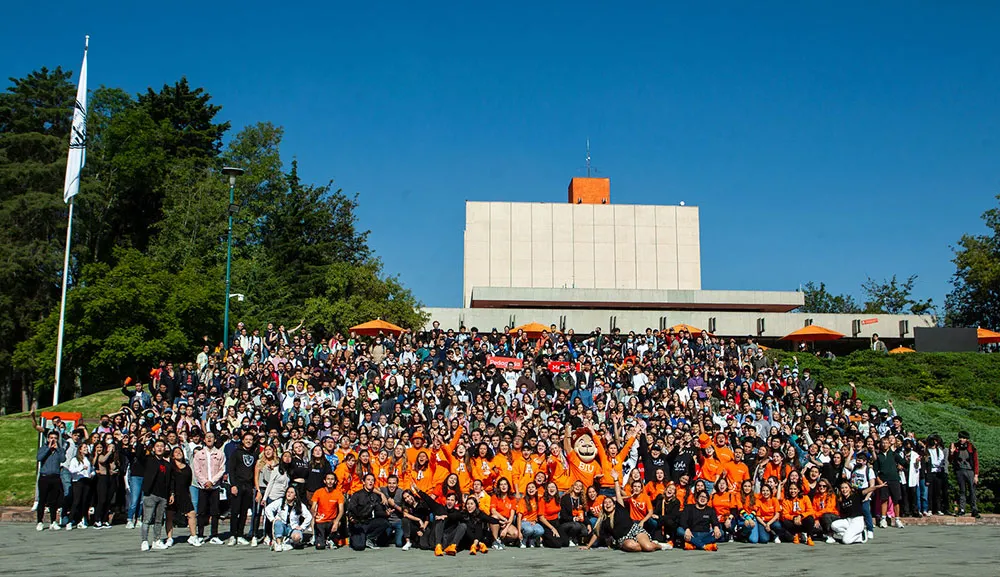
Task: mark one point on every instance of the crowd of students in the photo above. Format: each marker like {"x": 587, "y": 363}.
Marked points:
{"x": 454, "y": 441}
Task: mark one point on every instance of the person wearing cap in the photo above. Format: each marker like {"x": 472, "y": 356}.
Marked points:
{"x": 965, "y": 462}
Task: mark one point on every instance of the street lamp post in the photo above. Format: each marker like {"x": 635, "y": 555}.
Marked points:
{"x": 232, "y": 172}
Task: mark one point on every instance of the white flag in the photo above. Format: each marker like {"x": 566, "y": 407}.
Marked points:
{"x": 78, "y": 134}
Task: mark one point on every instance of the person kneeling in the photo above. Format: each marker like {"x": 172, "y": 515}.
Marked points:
{"x": 290, "y": 519}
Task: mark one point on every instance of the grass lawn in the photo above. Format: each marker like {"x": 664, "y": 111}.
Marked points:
{"x": 19, "y": 441}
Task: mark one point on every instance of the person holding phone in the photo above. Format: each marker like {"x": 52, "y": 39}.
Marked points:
{"x": 50, "y": 456}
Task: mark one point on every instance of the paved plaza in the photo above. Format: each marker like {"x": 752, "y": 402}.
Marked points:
{"x": 958, "y": 551}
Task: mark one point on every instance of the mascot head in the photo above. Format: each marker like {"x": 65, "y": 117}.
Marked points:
{"x": 583, "y": 445}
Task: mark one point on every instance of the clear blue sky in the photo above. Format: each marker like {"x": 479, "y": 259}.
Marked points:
{"x": 824, "y": 143}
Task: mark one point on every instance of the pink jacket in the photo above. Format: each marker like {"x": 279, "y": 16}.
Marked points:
{"x": 208, "y": 465}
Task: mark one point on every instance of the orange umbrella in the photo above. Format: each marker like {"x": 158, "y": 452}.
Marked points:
{"x": 372, "y": 328}
{"x": 812, "y": 333}
{"x": 900, "y": 350}
{"x": 686, "y": 327}
{"x": 987, "y": 336}
{"x": 532, "y": 330}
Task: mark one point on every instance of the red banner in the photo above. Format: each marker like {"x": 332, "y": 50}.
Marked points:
{"x": 560, "y": 366}
{"x": 869, "y": 321}
{"x": 503, "y": 362}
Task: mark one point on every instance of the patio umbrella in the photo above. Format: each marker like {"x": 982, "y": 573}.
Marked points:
{"x": 812, "y": 333}
{"x": 987, "y": 336}
{"x": 686, "y": 327}
{"x": 900, "y": 350}
{"x": 532, "y": 330}
{"x": 372, "y": 328}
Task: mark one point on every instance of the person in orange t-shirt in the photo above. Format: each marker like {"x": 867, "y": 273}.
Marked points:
{"x": 736, "y": 469}
{"x": 503, "y": 507}
{"x": 767, "y": 511}
{"x": 711, "y": 467}
{"x": 640, "y": 506}
{"x": 724, "y": 502}
{"x": 527, "y": 514}
{"x": 825, "y": 508}
{"x": 549, "y": 507}
{"x": 327, "y": 511}
{"x": 797, "y": 516}
{"x": 656, "y": 487}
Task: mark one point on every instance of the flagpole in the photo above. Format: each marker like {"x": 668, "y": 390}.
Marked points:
{"x": 71, "y": 188}
{"x": 62, "y": 304}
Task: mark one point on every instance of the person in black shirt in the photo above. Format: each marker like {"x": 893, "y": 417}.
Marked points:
{"x": 616, "y": 524}
{"x": 367, "y": 515}
{"x": 572, "y": 523}
{"x": 668, "y": 508}
{"x": 240, "y": 466}
{"x": 700, "y": 526}
{"x": 850, "y": 528}
{"x": 156, "y": 487}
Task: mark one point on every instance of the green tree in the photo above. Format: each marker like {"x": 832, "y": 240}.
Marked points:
{"x": 820, "y": 300}
{"x": 894, "y": 297}
{"x": 353, "y": 294}
{"x": 35, "y": 116}
{"x": 975, "y": 297}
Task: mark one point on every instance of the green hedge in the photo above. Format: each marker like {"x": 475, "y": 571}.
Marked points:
{"x": 934, "y": 393}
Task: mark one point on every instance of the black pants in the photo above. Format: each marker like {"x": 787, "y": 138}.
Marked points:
{"x": 826, "y": 521}
{"x": 790, "y": 529}
{"x": 938, "y": 491}
{"x": 550, "y": 541}
{"x": 573, "y": 530}
{"x": 910, "y": 499}
{"x": 105, "y": 495}
{"x": 410, "y": 529}
{"x": 238, "y": 506}
{"x": 966, "y": 485}
{"x": 446, "y": 535}
{"x": 322, "y": 532}
{"x": 372, "y": 529}
{"x": 81, "y": 500}
{"x": 208, "y": 506}
{"x": 49, "y": 493}
{"x": 477, "y": 531}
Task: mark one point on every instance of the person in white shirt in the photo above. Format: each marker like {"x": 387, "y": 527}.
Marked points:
{"x": 81, "y": 470}
{"x": 291, "y": 520}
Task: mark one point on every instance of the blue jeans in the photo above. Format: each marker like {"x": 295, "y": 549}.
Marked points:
{"x": 699, "y": 540}
{"x": 531, "y": 530}
{"x": 134, "y": 499}
{"x": 923, "y": 505}
{"x": 67, "y": 487}
{"x": 195, "y": 492}
{"x": 866, "y": 510}
{"x": 758, "y": 534}
{"x": 283, "y": 531}
{"x": 395, "y": 530}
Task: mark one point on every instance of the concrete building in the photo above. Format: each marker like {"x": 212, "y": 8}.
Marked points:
{"x": 589, "y": 263}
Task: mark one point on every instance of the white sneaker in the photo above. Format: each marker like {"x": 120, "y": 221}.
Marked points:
{"x": 160, "y": 545}
{"x": 523, "y": 546}
{"x": 777, "y": 539}
{"x": 899, "y": 523}
{"x": 242, "y": 541}
{"x": 406, "y": 546}
{"x": 138, "y": 523}
{"x": 144, "y": 546}
{"x": 40, "y": 527}
{"x": 572, "y": 543}
{"x": 83, "y": 524}
{"x": 277, "y": 547}
{"x": 216, "y": 541}
{"x": 286, "y": 546}
{"x": 170, "y": 542}
{"x": 870, "y": 534}
{"x": 253, "y": 542}
{"x": 130, "y": 525}
{"x": 98, "y": 525}
{"x": 267, "y": 540}
{"x": 54, "y": 526}
{"x": 69, "y": 526}
{"x": 830, "y": 539}
{"x": 882, "y": 524}
{"x": 666, "y": 546}
{"x": 195, "y": 541}
{"x": 231, "y": 541}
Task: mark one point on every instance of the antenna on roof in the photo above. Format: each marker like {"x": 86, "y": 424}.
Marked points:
{"x": 588, "y": 158}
